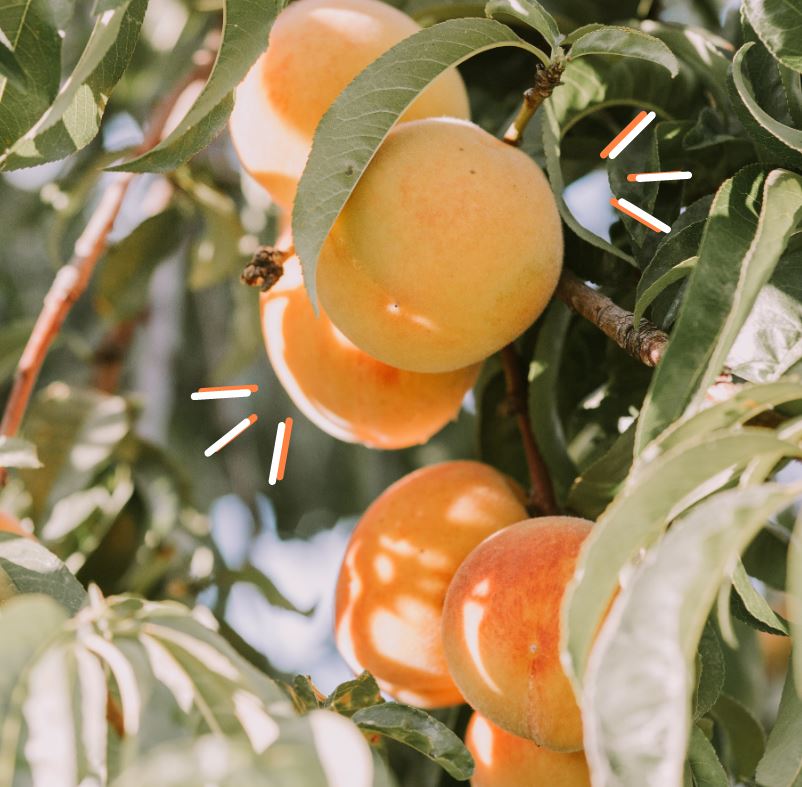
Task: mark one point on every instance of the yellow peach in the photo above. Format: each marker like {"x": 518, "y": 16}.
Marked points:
{"x": 448, "y": 248}
{"x": 501, "y": 629}
{"x": 505, "y": 760}
{"x": 397, "y": 568}
{"x": 316, "y": 47}
{"x": 343, "y": 390}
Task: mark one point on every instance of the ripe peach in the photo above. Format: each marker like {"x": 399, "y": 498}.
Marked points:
{"x": 316, "y": 48}
{"x": 344, "y": 391}
{"x": 505, "y": 760}
{"x": 397, "y": 567}
{"x": 448, "y": 248}
{"x": 10, "y": 525}
{"x": 501, "y": 629}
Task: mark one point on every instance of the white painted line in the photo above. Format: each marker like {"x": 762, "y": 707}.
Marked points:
{"x": 651, "y": 177}
{"x": 276, "y": 454}
{"x": 644, "y": 215}
{"x": 632, "y": 134}
{"x": 230, "y": 435}
{"x": 239, "y": 393}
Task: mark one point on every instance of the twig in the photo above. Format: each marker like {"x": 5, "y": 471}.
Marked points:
{"x": 541, "y": 492}
{"x": 73, "y": 278}
{"x": 546, "y": 79}
{"x": 644, "y": 342}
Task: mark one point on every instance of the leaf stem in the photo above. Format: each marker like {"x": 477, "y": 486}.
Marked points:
{"x": 73, "y": 278}
{"x": 547, "y": 78}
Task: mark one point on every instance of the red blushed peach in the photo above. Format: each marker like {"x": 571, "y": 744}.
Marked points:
{"x": 501, "y": 629}
{"x": 341, "y": 389}
{"x": 398, "y": 565}
{"x": 505, "y": 760}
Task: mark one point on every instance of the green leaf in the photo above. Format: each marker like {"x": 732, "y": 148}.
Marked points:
{"x": 654, "y": 494}
{"x": 27, "y": 567}
{"x": 122, "y": 281}
{"x": 531, "y": 13}
{"x": 76, "y": 432}
{"x": 710, "y": 672}
{"x": 544, "y": 371}
{"x": 778, "y": 23}
{"x": 781, "y": 765}
{"x": 351, "y": 696}
{"x": 794, "y": 590}
{"x": 417, "y": 729}
{"x": 780, "y": 144}
{"x": 744, "y": 231}
{"x": 73, "y": 120}
{"x": 304, "y": 694}
{"x": 751, "y": 607}
{"x": 625, "y": 42}
{"x": 246, "y": 28}
{"x": 706, "y": 768}
{"x": 15, "y": 452}
{"x": 36, "y": 45}
{"x": 10, "y": 68}
{"x": 679, "y": 272}
{"x": 641, "y": 667}
{"x": 363, "y": 115}
{"x": 745, "y": 738}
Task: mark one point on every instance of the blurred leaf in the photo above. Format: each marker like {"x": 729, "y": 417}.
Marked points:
{"x": 122, "y": 281}
{"x": 745, "y": 739}
{"x": 782, "y": 144}
{"x": 770, "y": 341}
{"x": 31, "y": 31}
{"x": 653, "y": 495}
{"x": 246, "y": 28}
{"x": 531, "y": 13}
{"x": 600, "y": 482}
{"x": 742, "y": 231}
{"x": 751, "y": 607}
{"x": 422, "y": 732}
{"x": 781, "y": 765}
{"x": 706, "y": 768}
{"x": 76, "y": 432}
{"x": 73, "y": 120}
{"x": 27, "y": 567}
{"x": 364, "y": 114}
{"x": 544, "y": 372}
{"x": 13, "y": 338}
{"x": 778, "y": 23}
{"x": 351, "y": 696}
{"x": 625, "y": 42}
{"x": 15, "y": 452}
{"x": 641, "y": 665}
{"x": 10, "y": 68}
{"x": 710, "y": 672}
{"x": 305, "y": 695}
{"x": 794, "y": 589}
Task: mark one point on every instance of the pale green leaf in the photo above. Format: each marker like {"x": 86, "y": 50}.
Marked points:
{"x": 15, "y": 452}
{"x": 781, "y": 765}
{"x": 625, "y": 42}
{"x": 637, "y": 694}
{"x": 745, "y": 738}
{"x": 794, "y": 589}
{"x": 706, "y": 768}
{"x": 679, "y": 272}
{"x": 246, "y": 28}
{"x": 531, "y": 13}
{"x": 356, "y": 124}
{"x": 779, "y": 25}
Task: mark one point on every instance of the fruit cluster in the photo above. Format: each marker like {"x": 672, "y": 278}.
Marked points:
{"x": 449, "y": 247}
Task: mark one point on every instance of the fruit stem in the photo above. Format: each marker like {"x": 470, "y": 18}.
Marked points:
{"x": 266, "y": 267}
{"x": 541, "y": 492}
{"x": 546, "y": 79}
{"x": 644, "y": 342}
{"x": 73, "y": 278}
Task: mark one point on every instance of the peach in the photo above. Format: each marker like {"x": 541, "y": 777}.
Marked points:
{"x": 449, "y": 247}
{"x": 505, "y": 760}
{"x": 343, "y": 390}
{"x": 397, "y": 568}
{"x": 501, "y": 629}
{"x": 316, "y": 47}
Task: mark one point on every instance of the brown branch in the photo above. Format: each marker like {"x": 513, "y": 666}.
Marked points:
{"x": 541, "y": 492}
{"x": 644, "y": 342}
{"x": 546, "y": 79}
{"x": 73, "y": 278}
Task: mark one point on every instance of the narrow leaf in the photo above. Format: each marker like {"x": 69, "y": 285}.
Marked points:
{"x": 625, "y": 42}
{"x": 246, "y": 28}
{"x": 422, "y": 732}
{"x": 781, "y": 765}
{"x": 638, "y": 689}
{"x": 746, "y": 740}
{"x": 706, "y": 768}
{"x": 531, "y": 13}
{"x": 794, "y": 589}
{"x": 356, "y": 124}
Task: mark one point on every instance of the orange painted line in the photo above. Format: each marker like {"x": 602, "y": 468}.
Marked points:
{"x": 252, "y": 419}
{"x": 606, "y": 151}
{"x": 284, "y": 448}
{"x": 252, "y": 388}
{"x": 616, "y": 204}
